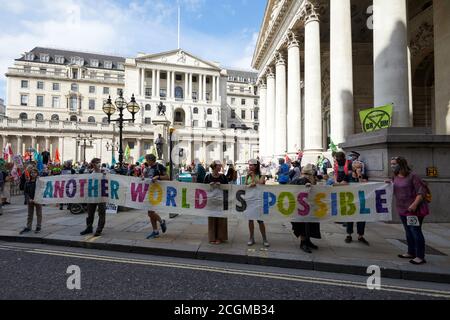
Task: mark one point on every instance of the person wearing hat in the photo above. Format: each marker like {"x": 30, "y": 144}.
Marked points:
{"x": 217, "y": 227}
{"x": 254, "y": 178}
{"x": 95, "y": 167}
{"x": 306, "y": 230}
{"x": 29, "y": 191}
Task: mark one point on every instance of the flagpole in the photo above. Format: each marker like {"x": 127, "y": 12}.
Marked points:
{"x": 179, "y": 19}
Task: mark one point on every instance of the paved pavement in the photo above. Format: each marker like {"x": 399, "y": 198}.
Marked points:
{"x": 187, "y": 238}
{"x": 39, "y": 271}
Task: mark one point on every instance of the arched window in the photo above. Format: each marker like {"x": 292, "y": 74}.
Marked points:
{"x": 209, "y": 111}
{"x": 39, "y": 117}
{"x": 209, "y": 124}
{"x": 105, "y": 120}
{"x": 178, "y": 93}
{"x": 195, "y": 110}
{"x": 91, "y": 120}
{"x": 73, "y": 118}
{"x": 148, "y": 107}
{"x": 256, "y": 128}
{"x": 55, "y": 117}
{"x": 23, "y": 116}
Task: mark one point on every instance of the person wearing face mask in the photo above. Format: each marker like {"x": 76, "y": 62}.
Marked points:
{"x": 409, "y": 193}
{"x": 29, "y": 191}
{"x": 95, "y": 167}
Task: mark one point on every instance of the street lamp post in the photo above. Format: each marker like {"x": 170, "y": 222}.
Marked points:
{"x": 112, "y": 147}
{"x": 83, "y": 140}
{"x": 120, "y": 104}
{"x": 171, "y": 131}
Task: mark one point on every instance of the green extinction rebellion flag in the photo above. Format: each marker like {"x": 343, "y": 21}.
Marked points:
{"x": 376, "y": 118}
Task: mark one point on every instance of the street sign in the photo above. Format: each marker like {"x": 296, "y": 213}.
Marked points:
{"x": 376, "y": 118}
{"x": 432, "y": 172}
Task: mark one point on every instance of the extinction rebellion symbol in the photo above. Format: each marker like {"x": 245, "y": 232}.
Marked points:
{"x": 376, "y": 118}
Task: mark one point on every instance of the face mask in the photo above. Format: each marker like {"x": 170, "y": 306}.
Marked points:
{"x": 395, "y": 168}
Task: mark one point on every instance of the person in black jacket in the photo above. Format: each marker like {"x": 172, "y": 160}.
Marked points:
{"x": 30, "y": 190}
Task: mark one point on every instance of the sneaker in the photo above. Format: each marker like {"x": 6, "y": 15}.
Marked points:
{"x": 362, "y": 240}
{"x": 87, "y": 231}
{"x": 153, "y": 235}
{"x": 25, "y": 230}
{"x": 348, "y": 239}
{"x": 38, "y": 230}
{"x": 266, "y": 244}
{"x": 98, "y": 233}
{"x": 251, "y": 242}
{"x": 163, "y": 226}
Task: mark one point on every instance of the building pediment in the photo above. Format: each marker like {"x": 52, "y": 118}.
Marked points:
{"x": 178, "y": 57}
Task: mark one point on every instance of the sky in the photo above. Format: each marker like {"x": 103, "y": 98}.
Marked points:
{"x": 224, "y": 31}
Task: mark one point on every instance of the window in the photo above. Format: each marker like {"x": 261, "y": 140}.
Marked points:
{"x": 93, "y": 74}
{"x": 73, "y": 101}
{"x": 233, "y": 100}
{"x": 194, "y": 79}
{"x": 42, "y": 70}
{"x": 148, "y": 92}
{"x": 105, "y": 120}
{"x": 231, "y": 88}
{"x": 40, "y": 101}
{"x": 195, "y": 123}
{"x": 74, "y": 87}
{"x": 23, "y": 100}
{"x": 73, "y": 118}
{"x": 40, "y": 85}
{"x": 131, "y": 144}
{"x": 195, "y": 110}
{"x": 27, "y": 69}
{"x": 255, "y": 102}
{"x": 162, "y": 93}
{"x": 23, "y": 116}
{"x": 59, "y": 59}
{"x": 29, "y": 56}
{"x": 242, "y": 114}
{"x": 208, "y": 80}
{"x": 24, "y": 84}
{"x": 241, "y": 89}
{"x": 120, "y": 66}
{"x": 106, "y": 76}
{"x": 194, "y": 95}
{"x": 256, "y": 128}
{"x": 55, "y": 102}
{"x": 178, "y": 116}
{"x": 209, "y": 124}
{"x": 91, "y": 120}
{"x": 147, "y": 146}
{"x": 163, "y": 75}
{"x": 39, "y": 117}
{"x": 121, "y": 77}
{"x": 108, "y": 64}
{"x": 77, "y": 60}
{"x": 55, "y": 86}
{"x": 208, "y": 96}
{"x": 91, "y": 89}
{"x": 242, "y": 102}
{"x": 256, "y": 114}
{"x": 91, "y": 104}
{"x": 178, "y": 93}
{"x": 209, "y": 111}
{"x": 94, "y": 63}
{"x": 119, "y": 92}
{"x": 148, "y": 121}
{"x": 55, "y": 117}
{"x": 74, "y": 73}
{"x": 148, "y": 107}
{"x": 178, "y": 77}
{"x": 105, "y": 90}
{"x": 233, "y": 114}
{"x": 57, "y": 72}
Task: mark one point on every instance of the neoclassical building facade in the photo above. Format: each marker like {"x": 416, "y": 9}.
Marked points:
{"x": 55, "y": 95}
{"x": 322, "y": 61}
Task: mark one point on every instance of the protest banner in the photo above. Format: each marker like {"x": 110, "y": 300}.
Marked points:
{"x": 376, "y": 118}
{"x": 354, "y": 202}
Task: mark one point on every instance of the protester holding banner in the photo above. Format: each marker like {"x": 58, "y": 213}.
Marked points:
{"x": 306, "y": 230}
{"x": 92, "y": 207}
{"x": 283, "y": 172}
{"x": 254, "y": 178}
{"x": 342, "y": 168}
{"x": 409, "y": 193}
{"x": 155, "y": 171}
{"x": 217, "y": 227}
{"x": 231, "y": 173}
{"x": 30, "y": 191}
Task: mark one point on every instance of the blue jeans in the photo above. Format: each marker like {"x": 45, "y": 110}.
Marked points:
{"x": 360, "y": 227}
{"x": 414, "y": 238}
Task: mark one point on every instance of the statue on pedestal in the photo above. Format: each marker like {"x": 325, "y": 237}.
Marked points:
{"x": 159, "y": 142}
{"x": 161, "y": 109}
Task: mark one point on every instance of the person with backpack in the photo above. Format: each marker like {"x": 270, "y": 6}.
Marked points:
{"x": 411, "y": 195}
{"x": 156, "y": 172}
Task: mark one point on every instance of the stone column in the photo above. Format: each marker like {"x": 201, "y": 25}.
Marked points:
{"x": 33, "y": 142}
{"x": 280, "y": 106}
{"x": 172, "y": 86}
{"x": 47, "y": 143}
{"x": 214, "y": 89}
{"x": 218, "y": 96}
{"x": 61, "y": 148}
{"x": 158, "y": 83}
{"x": 168, "y": 84}
{"x": 270, "y": 114}
{"x": 153, "y": 83}
{"x": 139, "y": 148}
{"x": 204, "y": 88}
{"x": 186, "y": 86}
{"x": 19, "y": 145}
{"x": 262, "y": 130}
{"x": 200, "y": 85}
{"x": 313, "y": 85}
{"x": 391, "y": 58}
{"x": 142, "y": 72}
{"x": 341, "y": 71}
{"x": 190, "y": 87}
{"x": 441, "y": 121}
{"x": 294, "y": 109}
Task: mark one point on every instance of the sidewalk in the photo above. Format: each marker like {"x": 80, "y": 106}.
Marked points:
{"x": 187, "y": 236}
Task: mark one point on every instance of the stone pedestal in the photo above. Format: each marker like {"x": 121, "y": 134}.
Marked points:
{"x": 162, "y": 127}
{"x": 421, "y": 148}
